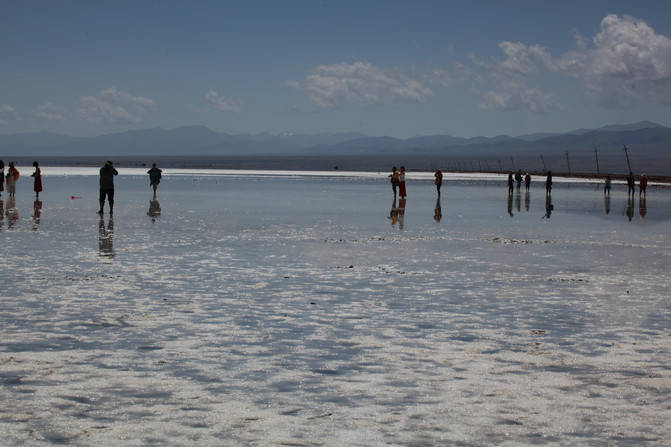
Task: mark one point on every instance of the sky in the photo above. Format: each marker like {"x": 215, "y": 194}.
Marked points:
{"x": 396, "y": 68}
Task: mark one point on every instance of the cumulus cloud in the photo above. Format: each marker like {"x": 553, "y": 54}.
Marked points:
{"x": 360, "y": 83}
{"x": 626, "y": 61}
{"x": 7, "y": 113}
{"x": 50, "y": 112}
{"x": 223, "y": 103}
{"x": 115, "y": 106}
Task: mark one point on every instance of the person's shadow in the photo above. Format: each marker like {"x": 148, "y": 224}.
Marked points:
{"x": 106, "y": 238}
{"x": 393, "y": 213}
{"x": 37, "y": 214}
{"x": 606, "y": 203}
{"x": 11, "y": 212}
{"x": 527, "y": 201}
{"x": 549, "y": 207}
{"x": 629, "y": 211}
{"x": 401, "y": 213}
{"x": 154, "y": 209}
{"x": 510, "y": 204}
{"x": 437, "y": 212}
{"x": 642, "y": 207}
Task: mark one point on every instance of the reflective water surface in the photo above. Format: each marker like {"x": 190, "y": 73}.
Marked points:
{"x": 320, "y": 311}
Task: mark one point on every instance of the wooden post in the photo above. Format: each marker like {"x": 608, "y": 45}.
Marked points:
{"x": 568, "y": 163}
{"x": 596, "y": 155}
{"x": 543, "y": 160}
{"x": 513, "y": 163}
{"x": 500, "y": 167}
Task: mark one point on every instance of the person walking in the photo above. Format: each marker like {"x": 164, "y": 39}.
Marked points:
{"x": 548, "y": 183}
{"x": 11, "y": 179}
{"x": 642, "y": 185}
{"x": 439, "y": 180}
{"x": 527, "y": 181}
{"x": 37, "y": 184}
{"x": 511, "y": 183}
{"x": 154, "y": 177}
{"x": 401, "y": 183}
{"x": 107, "y": 173}
{"x": 2, "y": 177}
{"x": 394, "y": 179}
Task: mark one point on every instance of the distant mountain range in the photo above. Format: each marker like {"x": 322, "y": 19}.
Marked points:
{"x": 648, "y": 140}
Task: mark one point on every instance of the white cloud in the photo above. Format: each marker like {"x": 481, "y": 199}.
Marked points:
{"x": 7, "y": 113}
{"x": 440, "y": 77}
{"x": 360, "y": 83}
{"x": 50, "y": 112}
{"x": 115, "y": 106}
{"x": 514, "y": 96}
{"x": 223, "y": 103}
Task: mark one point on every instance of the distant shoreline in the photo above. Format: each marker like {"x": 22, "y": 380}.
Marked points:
{"x": 335, "y": 163}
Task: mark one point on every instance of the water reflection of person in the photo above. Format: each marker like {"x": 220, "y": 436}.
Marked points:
{"x": 510, "y": 204}
{"x": 11, "y": 212}
{"x": 630, "y": 207}
{"x": 106, "y": 238}
{"x": 642, "y": 208}
{"x": 2, "y": 211}
{"x": 37, "y": 213}
{"x": 401, "y": 213}
{"x": 527, "y": 200}
{"x": 437, "y": 212}
{"x": 549, "y": 207}
{"x": 606, "y": 203}
{"x": 393, "y": 213}
{"x": 154, "y": 209}
{"x": 518, "y": 200}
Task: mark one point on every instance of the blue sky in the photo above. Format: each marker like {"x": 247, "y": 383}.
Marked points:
{"x": 380, "y": 68}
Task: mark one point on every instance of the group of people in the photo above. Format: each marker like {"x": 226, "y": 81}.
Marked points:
{"x": 12, "y": 176}
{"x": 518, "y": 179}
{"x": 107, "y": 174}
{"x": 631, "y": 184}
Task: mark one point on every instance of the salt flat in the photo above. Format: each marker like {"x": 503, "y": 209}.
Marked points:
{"x": 304, "y": 310}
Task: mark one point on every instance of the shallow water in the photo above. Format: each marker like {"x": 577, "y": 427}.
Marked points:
{"x": 291, "y": 310}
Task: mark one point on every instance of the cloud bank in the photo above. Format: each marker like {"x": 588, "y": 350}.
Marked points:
{"x": 114, "y": 107}
{"x": 360, "y": 83}
{"x": 223, "y": 103}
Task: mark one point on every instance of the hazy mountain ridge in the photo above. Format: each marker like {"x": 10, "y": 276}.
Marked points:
{"x": 648, "y": 139}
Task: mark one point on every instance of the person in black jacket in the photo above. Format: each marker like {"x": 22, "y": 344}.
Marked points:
{"x": 107, "y": 174}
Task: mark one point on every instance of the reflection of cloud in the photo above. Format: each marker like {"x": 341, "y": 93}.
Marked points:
{"x": 7, "y": 113}
{"x": 115, "y": 106}
{"x": 222, "y": 103}
{"x": 359, "y": 83}
{"x": 50, "y": 112}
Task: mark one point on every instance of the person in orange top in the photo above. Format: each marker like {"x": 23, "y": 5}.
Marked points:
{"x": 642, "y": 185}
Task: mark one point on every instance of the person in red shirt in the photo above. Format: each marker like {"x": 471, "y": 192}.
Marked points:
{"x": 642, "y": 185}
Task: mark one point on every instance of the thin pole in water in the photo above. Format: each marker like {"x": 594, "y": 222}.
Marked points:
{"x": 596, "y": 155}
{"x": 626, "y": 153}
{"x": 568, "y": 163}
{"x": 543, "y": 160}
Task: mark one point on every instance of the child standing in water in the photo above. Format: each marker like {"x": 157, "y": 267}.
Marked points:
{"x": 37, "y": 185}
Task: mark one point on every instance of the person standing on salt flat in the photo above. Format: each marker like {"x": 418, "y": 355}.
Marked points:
{"x": 527, "y": 181}
{"x": 439, "y": 180}
{"x": 394, "y": 179}
{"x": 107, "y": 174}
{"x": 607, "y": 186}
{"x": 37, "y": 185}
{"x": 548, "y": 183}
{"x": 642, "y": 185}
{"x": 631, "y": 184}
{"x": 401, "y": 183}
{"x": 2, "y": 177}
{"x": 12, "y": 177}
{"x": 510, "y": 183}
{"x": 154, "y": 177}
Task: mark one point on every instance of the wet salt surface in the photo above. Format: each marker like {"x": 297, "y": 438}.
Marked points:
{"x": 291, "y": 311}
